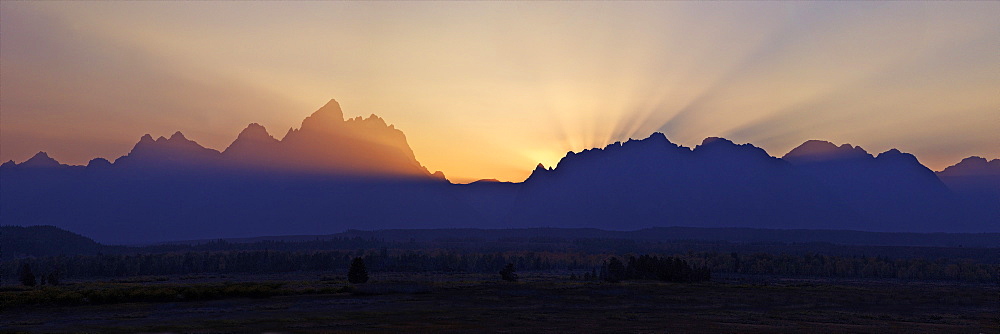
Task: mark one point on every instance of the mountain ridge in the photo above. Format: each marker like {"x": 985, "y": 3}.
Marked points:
{"x": 325, "y": 143}
{"x": 254, "y": 132}
{"x": 173, "y": 188}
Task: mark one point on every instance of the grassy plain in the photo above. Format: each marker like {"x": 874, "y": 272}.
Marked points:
{"x": 460, "y": 303}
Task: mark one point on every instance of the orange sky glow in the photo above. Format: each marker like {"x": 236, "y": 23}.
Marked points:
{"x": 491, "y": 89}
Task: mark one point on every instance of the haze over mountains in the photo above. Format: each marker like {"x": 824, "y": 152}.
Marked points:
{"x": 324, "y": 144}
{"x": 333, "y": 174}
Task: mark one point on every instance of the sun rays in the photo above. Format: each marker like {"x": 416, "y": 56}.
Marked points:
{"x": 489, "y": 90}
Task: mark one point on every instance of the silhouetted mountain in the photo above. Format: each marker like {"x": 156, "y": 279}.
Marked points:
{"x": 39, "y": 163}
{"x": 40, "y": 160}
{"x": 334, "y": 174}
{"x": 973, "y": 175}
{"x": 326, "y": 143}
{"x": 973, "y": 166}
{"x": 976, "y": 181}
{"x": 819, "y": 151}
{"x": 653, "y": 182}
{"x": 817, "y": 185}
{"x": 169, "y": 153}
{"x": 891, "y": 188}
{"x": 98, "y": 164}
{"x": 253, "y": 147}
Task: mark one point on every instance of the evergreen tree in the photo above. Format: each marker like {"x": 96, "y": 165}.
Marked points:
{"x": 54, "y": 278}
{"x": 27, "y": 278}
{"x": 357, "y": 273}
{"x": 615, "y": 271}
{"x": 507, "y": 274}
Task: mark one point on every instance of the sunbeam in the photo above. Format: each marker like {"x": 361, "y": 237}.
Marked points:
{"x": 526, "y": 81}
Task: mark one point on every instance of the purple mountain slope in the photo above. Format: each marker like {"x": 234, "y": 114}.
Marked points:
{"x": 40, "y": 160}
{"x": 818, "y": 151}
{"x": 817, "y": 185}
{"x": 975, "y": 178}
{"x": 973, "y": 166}
{"x": 174, "y": 152}
{"x": 254, "y": 146}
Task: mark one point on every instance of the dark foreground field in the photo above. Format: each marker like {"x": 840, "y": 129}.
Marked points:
{"x": 475, "y": 303}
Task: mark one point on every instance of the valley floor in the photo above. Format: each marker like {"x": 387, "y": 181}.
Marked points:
{"x": 539, "y": 303}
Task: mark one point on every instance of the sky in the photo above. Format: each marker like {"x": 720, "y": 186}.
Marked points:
{"x": 491, "y": 89}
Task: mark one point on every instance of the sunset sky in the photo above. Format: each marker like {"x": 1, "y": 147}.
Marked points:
{"x": 490, "y": 89}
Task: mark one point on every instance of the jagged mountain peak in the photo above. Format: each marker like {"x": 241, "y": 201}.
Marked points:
{"x": 825, "y": 151}
{"x": 725, "y": 148}
{"x": 373, "y": 121}
{"x": 716, "y": 141}
{"x": 253, "y": 146}
{"x": 325, "y": 118}
{"x": 40, "y": 159}
{"x": 973, "y": 165}
{"x": 719, "y": 143}
{"x": 254, "y": 131}
{"x": 653, "y": 138}
{"x": 905, "y": 162}
{"x": 175, "y": 150}
{"x": 327, "y": 143}
{"x": 540, "y": 172}
{"x": 658, "y": 136}
{"x": 176, "y": 140}
{"x": 896, "y": 154}
{"x": 654, "y": 141}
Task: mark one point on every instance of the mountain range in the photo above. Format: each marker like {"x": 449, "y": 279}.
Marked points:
{"x": 333, "y": 174}
{"x": 325, "y": 144}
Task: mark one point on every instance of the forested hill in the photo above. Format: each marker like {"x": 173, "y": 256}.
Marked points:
{"x": 728, "y": 234}
{"x": 40, "y": 241}
{"x": 731, "y": 234}
{"x": 527, "y": 249}
{"x": 18, "y": 241}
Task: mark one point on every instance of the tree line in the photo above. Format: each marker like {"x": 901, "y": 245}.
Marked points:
{"x": 652, "y": 267}
{"x": 668, "y": 267}
{"x": 863, "y": 267}
{"x": 266, "y": 261}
